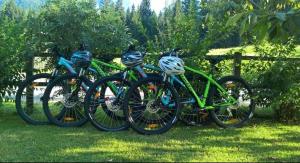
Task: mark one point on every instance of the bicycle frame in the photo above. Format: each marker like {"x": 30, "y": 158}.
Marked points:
{"x": 130, "y": 74}
{"x": 202, "y": 102}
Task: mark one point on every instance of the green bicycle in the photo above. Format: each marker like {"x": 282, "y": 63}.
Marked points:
{"x": 64, "y": 96}
{"x": 229, "y": 100}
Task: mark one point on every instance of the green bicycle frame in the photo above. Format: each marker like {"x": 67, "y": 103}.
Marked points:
{"x": 97, "y": 64}
{"x": 210, "y": 81}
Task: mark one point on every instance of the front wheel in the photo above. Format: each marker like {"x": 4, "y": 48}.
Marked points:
{"x": 103, "y": 104}
{"x": 63, "y": 100}
{"x": 234, "y": 106}
{"x": 155, "y": 109}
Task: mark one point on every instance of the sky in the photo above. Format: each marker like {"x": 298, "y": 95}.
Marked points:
{"x": 156, "y": 5}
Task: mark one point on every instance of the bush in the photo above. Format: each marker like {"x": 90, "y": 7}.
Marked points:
{"x": 287, "y": 106}
{"x": 281, "y": 90}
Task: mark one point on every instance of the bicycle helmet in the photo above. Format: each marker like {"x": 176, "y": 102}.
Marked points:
{"x": 82, "y": 58}
{"x": 172, "y": 65}
{"x": 132, "y": 58}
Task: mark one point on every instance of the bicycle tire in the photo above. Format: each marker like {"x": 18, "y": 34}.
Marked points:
{"x": 214, "y": 113}
{"x": 18, "y": 101}
{"x": 129, "y": 114}
{"x": 54, "y": 118}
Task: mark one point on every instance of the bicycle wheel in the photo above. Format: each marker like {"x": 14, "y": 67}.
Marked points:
{"x": 63, "y": 100}
{"x": 235, "y": 106}
{"x": 29, "y": 99}
{"x": 103, "y": 103}
{"x": 156, "y": 108}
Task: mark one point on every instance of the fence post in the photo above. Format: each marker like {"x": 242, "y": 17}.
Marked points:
{"x": 237, "y": 64}
{"x": 29, "y": 91}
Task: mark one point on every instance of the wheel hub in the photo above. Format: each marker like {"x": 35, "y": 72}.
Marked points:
{"x": 111, "y": 106}
{"x": 68, "y": 102}
{"x": 151, "y": 107}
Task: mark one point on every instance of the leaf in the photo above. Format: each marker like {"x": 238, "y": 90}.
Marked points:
{"x": 234, "y": 19}
{"x": 244, "y": 27}
{"x": 281, "y": 16}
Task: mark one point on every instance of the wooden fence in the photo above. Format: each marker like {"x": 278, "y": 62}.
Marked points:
{"x": 236, "y": 57}
{"x": 236, "y": 69}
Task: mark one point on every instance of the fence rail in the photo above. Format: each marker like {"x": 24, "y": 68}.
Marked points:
{"x": 236, "y": 57}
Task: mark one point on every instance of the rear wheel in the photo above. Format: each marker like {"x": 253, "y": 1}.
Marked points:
{"x": 29, "y": 96}
{"x": 155, "y": 109}
{"x": 235, "y": 106}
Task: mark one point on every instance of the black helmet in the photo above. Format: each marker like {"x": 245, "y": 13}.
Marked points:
{"x": 132, "y": 58}
{"x": 82, "y": 58}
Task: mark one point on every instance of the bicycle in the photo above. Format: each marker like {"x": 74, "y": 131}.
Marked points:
{"x": 228, "y": 100}
{"x": 30, "y": 91}
{"x": 104, "y": 99}
{"x": 56, "y": 92}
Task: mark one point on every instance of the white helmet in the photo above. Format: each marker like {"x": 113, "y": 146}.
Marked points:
{"x": 172, "y": 65}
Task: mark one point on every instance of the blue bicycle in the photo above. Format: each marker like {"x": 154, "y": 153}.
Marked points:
{"x": 30, "y": 91}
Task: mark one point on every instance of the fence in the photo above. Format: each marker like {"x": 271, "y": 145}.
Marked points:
{"x": 236, "y": 70}
{"x": 236, "y": 57}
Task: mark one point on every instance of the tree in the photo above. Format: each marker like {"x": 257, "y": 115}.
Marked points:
{"x": 271, "y": 20}
{"x": 12, "y": 48}
{"x": 148, "y": 19}
{"x": 68, "y": 23}
{"x": 120, "y": 9}
{"x": 11, "y": 11}
{"x": 136, "y": 28}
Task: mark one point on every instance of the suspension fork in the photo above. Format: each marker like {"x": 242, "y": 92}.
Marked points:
{"x": 79, "y": 83}
{"x": 118, "y": 91}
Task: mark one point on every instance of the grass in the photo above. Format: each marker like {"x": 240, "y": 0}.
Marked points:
{"x": 263, "y": 140}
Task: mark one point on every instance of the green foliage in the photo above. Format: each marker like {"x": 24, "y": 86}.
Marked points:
{"x": 177, "y": 29}
{"x": 12, "y": 48}
{"x": 272, "y": 20}
{"x": 287, "y": 105}
{"x": 68, "y": 23}
{"x": 279, "y": 81}
{"x": 136, "y": 28}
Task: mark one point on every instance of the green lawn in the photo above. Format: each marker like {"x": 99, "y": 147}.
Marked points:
{"x": 263, "y": 140}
